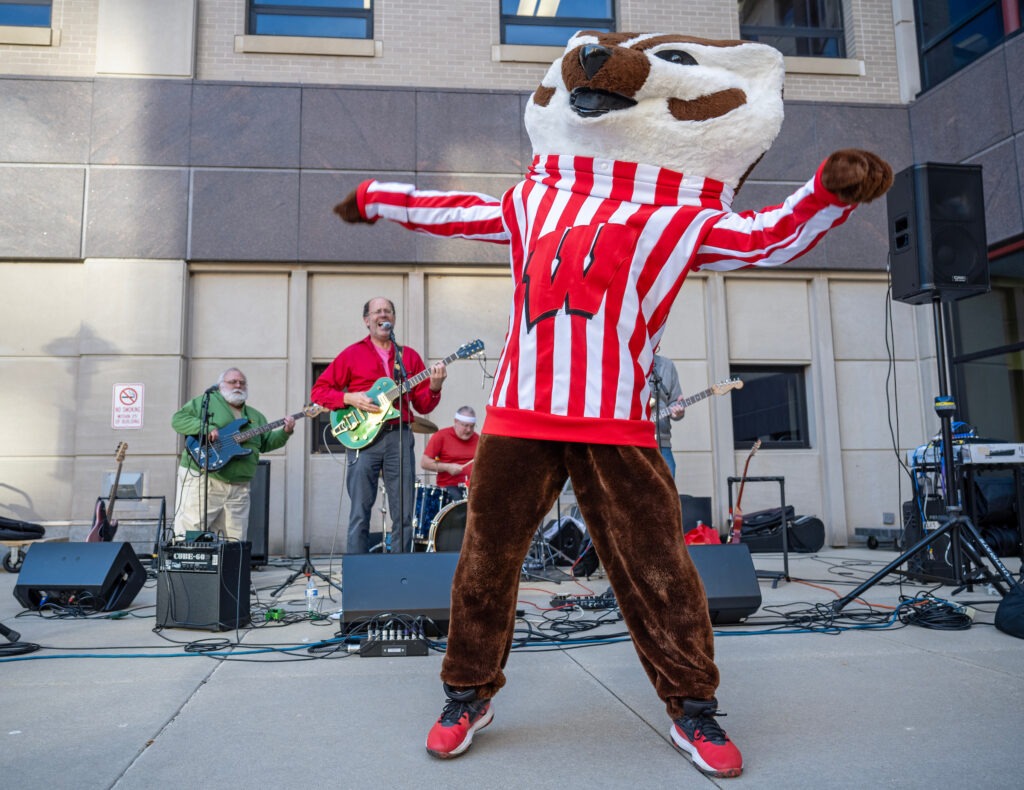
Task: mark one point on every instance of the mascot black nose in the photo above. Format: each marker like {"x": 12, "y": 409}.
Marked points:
{"x": 592, "y": 58}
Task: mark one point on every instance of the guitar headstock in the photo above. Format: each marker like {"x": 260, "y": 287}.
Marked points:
{"x": 756, "y": 447}
{"x": 469, "y": 349}
{"x": 313, "y": 410}
{"x": 723, "y": 387}
{"x": 119, "y": 453}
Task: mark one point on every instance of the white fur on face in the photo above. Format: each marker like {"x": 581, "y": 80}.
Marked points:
{"x": 721, "y": 148}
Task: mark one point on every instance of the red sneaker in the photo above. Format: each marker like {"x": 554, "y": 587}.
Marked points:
{"x": 698, "y": 734}
{"x": 463, "y": 715}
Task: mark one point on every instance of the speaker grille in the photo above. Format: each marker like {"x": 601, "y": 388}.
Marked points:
{"x": 937, "y": 233}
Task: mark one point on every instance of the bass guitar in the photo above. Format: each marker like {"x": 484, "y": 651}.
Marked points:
{"x": 735, "y": 514}
{"x": 356, "y": 428}
{"x": 214, "y": 455}
{"x": 720, "y": 388}
{"x": 103, "y": 525}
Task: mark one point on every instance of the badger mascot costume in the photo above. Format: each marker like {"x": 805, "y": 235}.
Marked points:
{"x": 640, "y": 142}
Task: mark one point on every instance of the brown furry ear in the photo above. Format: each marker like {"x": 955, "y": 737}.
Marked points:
{"x": 348, "y": 209}
{"x": 856, "y": 176}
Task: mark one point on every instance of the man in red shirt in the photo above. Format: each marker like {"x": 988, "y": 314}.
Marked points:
{"x": 347, "y": 381}
{"x": 450, "y": 452}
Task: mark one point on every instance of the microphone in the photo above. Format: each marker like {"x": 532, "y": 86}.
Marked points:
{"x": 386, "y": 325}
{"x": 212, "y": 389}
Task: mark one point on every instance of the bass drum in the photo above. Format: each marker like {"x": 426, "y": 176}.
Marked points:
{"x": 448, "y": 528}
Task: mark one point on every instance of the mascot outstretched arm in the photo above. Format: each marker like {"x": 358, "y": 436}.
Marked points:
{"x": 640, "y": 142}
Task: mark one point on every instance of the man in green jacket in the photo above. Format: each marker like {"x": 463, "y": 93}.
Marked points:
{"x": 222, "y": 494}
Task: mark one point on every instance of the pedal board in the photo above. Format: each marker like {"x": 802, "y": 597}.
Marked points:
{"x": 589, "y": 602}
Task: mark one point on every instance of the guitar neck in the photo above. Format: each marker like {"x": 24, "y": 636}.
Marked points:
{"x": 409, "y": 383}
{"x": 112, "y": 498}
{"x": 664, "y": 411}
{"x": 244, "y": 436}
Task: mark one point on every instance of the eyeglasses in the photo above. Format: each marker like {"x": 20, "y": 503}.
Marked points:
{"x": 235, "y": 381}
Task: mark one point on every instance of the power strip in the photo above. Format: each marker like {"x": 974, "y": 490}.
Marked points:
{"x": 606, "y": 601}
{"x": 389, "y": 648}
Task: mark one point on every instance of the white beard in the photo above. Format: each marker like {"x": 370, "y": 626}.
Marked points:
{"x": 236, "y": 397}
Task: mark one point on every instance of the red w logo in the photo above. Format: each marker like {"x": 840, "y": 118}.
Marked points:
{"x": 571, "y": 269}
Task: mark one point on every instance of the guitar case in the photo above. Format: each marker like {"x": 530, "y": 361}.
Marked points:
{"x": 11, "y": 529}
{"x": 762, "y": 531}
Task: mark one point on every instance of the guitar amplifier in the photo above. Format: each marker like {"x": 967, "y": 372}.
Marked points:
{"x": 203, "y": 585}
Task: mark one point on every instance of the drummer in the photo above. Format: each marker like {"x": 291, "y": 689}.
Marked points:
{"x": 450, "y": 453}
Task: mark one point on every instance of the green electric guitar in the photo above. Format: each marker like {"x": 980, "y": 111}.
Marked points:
{"x": 356, "y": 428}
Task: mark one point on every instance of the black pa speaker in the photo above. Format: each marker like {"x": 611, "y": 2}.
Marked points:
{"x": 101, "y": 576}
{"x": 730, "y": 581}
{"x": 258, "y": 531}
{"x": 937, "y": 242}
{"x": 414, "y": 584}
{"x": 204, "y": 586}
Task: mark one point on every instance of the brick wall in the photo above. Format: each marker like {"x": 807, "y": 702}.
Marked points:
{"x": 432, "y": 43}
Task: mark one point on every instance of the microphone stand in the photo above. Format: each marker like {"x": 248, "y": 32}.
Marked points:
{"x": 204, "y": 450}
{"x": 401, "y": 441}
{"x": 657, "y": 387}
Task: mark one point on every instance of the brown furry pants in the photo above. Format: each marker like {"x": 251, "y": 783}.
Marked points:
{"x": 630, "y": 506}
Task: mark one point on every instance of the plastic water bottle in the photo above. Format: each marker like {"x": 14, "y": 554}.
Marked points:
{"x": 312, "y": 597}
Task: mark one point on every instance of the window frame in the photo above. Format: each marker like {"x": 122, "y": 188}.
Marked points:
{"x": 272, "y": 10}
{"x": 802, "y": 420}
{"x": 570, "y": 24}
{"x": 802, "y": 35}
{"x": 942, "y": 38}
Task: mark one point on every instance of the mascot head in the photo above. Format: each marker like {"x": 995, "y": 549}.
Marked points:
{"x": 705, "y": 108}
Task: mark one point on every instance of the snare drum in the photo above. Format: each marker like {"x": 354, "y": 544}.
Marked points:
{"x": 429, "y": 502}
{"x": 448, "y": 527}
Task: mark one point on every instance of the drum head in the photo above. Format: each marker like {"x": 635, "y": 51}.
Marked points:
{"x": 448, "y": 528}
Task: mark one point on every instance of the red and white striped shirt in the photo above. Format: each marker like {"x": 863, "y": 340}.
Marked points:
{"x": 599, "y": 250}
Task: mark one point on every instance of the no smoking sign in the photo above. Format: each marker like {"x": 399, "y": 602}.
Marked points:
{"x": 127, "y": 406}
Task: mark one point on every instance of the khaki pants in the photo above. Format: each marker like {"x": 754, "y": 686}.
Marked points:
{"x": 227, "y": 511}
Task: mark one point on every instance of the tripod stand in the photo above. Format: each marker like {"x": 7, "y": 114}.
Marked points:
{"x": 964, "y": 538}
{"x": 307, "y": 569}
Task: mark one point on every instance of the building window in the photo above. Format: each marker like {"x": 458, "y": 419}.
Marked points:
{"x": 804, "y": 28}
{"x": 953, "y": 33}
{"x": 311, "y": 18}
{"x": 771, "y": 406}
{"x": 552, "y": 22}
{"x": 987, "y": 339}
{"x": 26, "y": 13}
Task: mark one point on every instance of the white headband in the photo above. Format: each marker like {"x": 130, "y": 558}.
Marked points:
{"x": 465, "y": 418}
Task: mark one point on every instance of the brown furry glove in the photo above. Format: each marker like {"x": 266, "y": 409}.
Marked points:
{"x": 856, "y": 176}
{"x": 348, "y": 209}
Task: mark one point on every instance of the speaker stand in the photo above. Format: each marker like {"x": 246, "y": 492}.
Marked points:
{"x": 964, "y": 538}
{"x": 307, "y": 569}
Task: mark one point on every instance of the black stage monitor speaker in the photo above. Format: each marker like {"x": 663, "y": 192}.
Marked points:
{"x": 413, "y": 584}
{"x": 203, "y": 585}
{"x": 258, "y": 532}
{"x": 695, "y": 508}
{"x": 730, "y": 581}
{"x": 102, "y": 576}
{"x": 937, "y": 241}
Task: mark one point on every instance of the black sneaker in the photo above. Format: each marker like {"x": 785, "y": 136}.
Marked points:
{"x": 462, "y": 716}
{"x": 699, "y": 735}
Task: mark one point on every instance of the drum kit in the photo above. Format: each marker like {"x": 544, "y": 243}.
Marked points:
{"x": 439, "y": 518}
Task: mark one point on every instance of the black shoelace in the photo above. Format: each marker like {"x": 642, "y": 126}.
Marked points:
{"x": 706, "y": 725}
{"x": 453, "y": 711}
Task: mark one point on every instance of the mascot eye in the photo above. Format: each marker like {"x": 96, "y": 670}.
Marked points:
{"x": 676, "y": 56}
